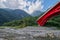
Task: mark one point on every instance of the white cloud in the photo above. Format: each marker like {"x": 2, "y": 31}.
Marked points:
{"x": 1, "y": 4}
{"x": 11, "y": 4}
{"x": 2, "y": 0}
{"x": 32, "y": 6}
{"x": 21, "y": 4}
{"x": 35, "y": 6}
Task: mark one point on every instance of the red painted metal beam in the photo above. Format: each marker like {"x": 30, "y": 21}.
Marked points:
{"x": 46, "y": 16}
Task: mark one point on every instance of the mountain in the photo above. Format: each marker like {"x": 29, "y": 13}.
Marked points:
{"x": 7, "y": 15}
{"x": 28, "y": 21}
{"x": 21, "y": 13}
{"x": 36, "y": 13}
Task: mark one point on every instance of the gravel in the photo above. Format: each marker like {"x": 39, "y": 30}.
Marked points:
{"x": 30, "y": 33}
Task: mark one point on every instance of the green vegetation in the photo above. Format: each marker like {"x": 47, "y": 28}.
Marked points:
{"x": 7, "y": 15}
{"x": 19, "y": 19}
{"x": 28, "y": 21}
{"x": 31, "y": 21}
{"x": 54, "y": 22}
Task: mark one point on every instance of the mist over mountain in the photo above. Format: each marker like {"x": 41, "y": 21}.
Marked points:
{"x": 7, "y": 15}
{"x": 36, "y": 13}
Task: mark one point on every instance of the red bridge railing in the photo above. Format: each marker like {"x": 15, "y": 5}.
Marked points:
{"x": 50, "y": 13}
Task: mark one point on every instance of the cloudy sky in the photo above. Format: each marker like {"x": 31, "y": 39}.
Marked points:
{"x": 28, "y": 5}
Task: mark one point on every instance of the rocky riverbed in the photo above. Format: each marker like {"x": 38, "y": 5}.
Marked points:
{"x": 30, "y": 33}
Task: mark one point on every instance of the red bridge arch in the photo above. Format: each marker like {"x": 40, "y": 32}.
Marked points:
{"x": 50, "y": 13}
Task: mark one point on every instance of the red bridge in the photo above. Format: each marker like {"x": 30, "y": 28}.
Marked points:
{"x": 50, "y": 13}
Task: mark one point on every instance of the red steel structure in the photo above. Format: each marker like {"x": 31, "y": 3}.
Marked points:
{"x": 50, "y": 13}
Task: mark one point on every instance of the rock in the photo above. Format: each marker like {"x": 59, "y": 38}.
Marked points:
{"x": 28, "y": 33}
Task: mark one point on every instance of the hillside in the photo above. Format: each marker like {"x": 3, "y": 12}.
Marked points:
{"x": 7, "y": 15}
{"x": 31, "y": 21}
{"x": 28, "y": 21}
{"x": 54, "y": 21}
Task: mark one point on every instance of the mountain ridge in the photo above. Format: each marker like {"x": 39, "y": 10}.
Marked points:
{"x": 9, "y": 15}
